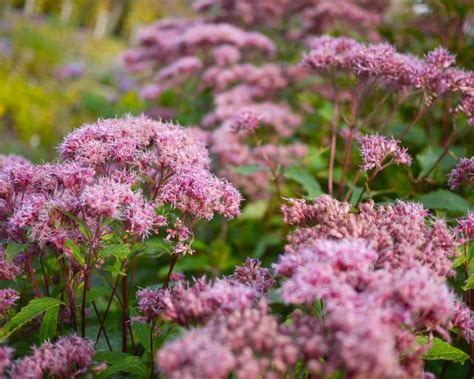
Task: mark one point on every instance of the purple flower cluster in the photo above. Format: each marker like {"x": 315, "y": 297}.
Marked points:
{"x": 8, "y": 297}
{"x": 247, "y": 342}
{"x": 376, "y": 149}
{"x": 117, "y": 169}
{"x": 187, "y": 305}
{"x": 69, "y": 357}
{"x": 434, "y": 75}
{"x": 462, "y": 173}
{"x": 402, "y": 234}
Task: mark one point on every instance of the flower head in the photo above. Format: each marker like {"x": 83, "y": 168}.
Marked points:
{"x": 462, "y": 173}
{"x": 376, "y": 149}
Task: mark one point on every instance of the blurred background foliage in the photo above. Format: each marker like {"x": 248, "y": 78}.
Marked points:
{"x": 60, "y": 66}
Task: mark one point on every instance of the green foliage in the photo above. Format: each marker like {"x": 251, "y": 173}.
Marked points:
{"x": 32, "y": 310}
{"x": 441, "y": 350}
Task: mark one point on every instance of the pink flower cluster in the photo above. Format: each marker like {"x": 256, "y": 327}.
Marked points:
{"x": 172, "y": 46}
{"x": 463, "y": 173}
{"x": 402, "y": 234}
{"x": 376, "y": 149}
{"x": 248, "y": 342}
{"x": 69, "y": 357}
{"x": 434, "y": 75}
{"x": 8, "y": 297}
{"x": 381, "y": 274}
{"x": 117, "y": 169}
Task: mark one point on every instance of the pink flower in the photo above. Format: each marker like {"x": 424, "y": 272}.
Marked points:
{"x": 462, "y": 173}
{"x": 466, "y": 227}
{"x": 245, "y": 122}
{"x": 5, "y": 358}
{"x": 69, "y": 357}
{"x": 8, "y": 297}
{"x": 376, "y": 149}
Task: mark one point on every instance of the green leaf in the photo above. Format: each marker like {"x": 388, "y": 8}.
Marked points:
{"x": 441, "y": 350}
{"x": 33, "y": 309}
{"x": 142, "y": 332}
{"x": 254, "y": 210}
{"x": 121, "y": 362}
{"x": 443, "y": 199}
{"x": 469, "y": 284}
{"x": 13, "y": 249}
{"x": 248, "y": 169}
{"x": 428, "y": 157}
{"x": 76, "y": 252}
{"x": 303, "y": 177}
{"x": 119, "y": 251}
{"x": 49, "y": 324}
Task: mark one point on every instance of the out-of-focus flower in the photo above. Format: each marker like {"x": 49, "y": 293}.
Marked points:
{"x": 462, "y": 173}
{"x": 69, "y": 357}
{"x": 8, "y": 297}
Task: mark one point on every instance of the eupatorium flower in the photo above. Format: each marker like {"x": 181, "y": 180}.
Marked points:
{"x": 399, "y": 233}
{"x": 466, "y": 227}
{"x": 8, "y": 270}
{"x": 248, "y": 342}
{"x": 253, "y": 275}
{"x": 188, "y": 304}
{"x": 8, "y": 297}
{"x": 462, "y": 173}
{"x": 246, "y": 122}
{"x": 376, "y": 150}
{"x": 198, "y": 192}
{"x": 5, "y": 359}
{"x": 69, "y": 357}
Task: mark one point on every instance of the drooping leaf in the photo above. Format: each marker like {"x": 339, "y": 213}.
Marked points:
{"x": 303, "y": 177}
{"x": 443, "y": 199}
{"x": 33, "y": 309}
{"x": 441, "y": 350}
{"x": 49, "y": 324}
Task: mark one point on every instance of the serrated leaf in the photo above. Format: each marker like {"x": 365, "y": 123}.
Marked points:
{"x": 119, "y": 251}
{"x": 49, "y": 324}
{"x": 441, "y": 350}
{"x": 248, "y": 169}
{"x": 443, "y": 199}
{"x": 121, "y": 362}
{"x": 33, "y": 309}
{"x": 303, "y": 177}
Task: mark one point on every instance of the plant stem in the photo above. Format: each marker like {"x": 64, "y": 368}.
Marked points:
{"x": 114, "y": 288}
{"x": 124, "y": 313}
{"x": 335, "y": 119}
{"x": 174, "y": 259}
{"x": 102, "y": 325}
{"x": 451, "y": 139}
